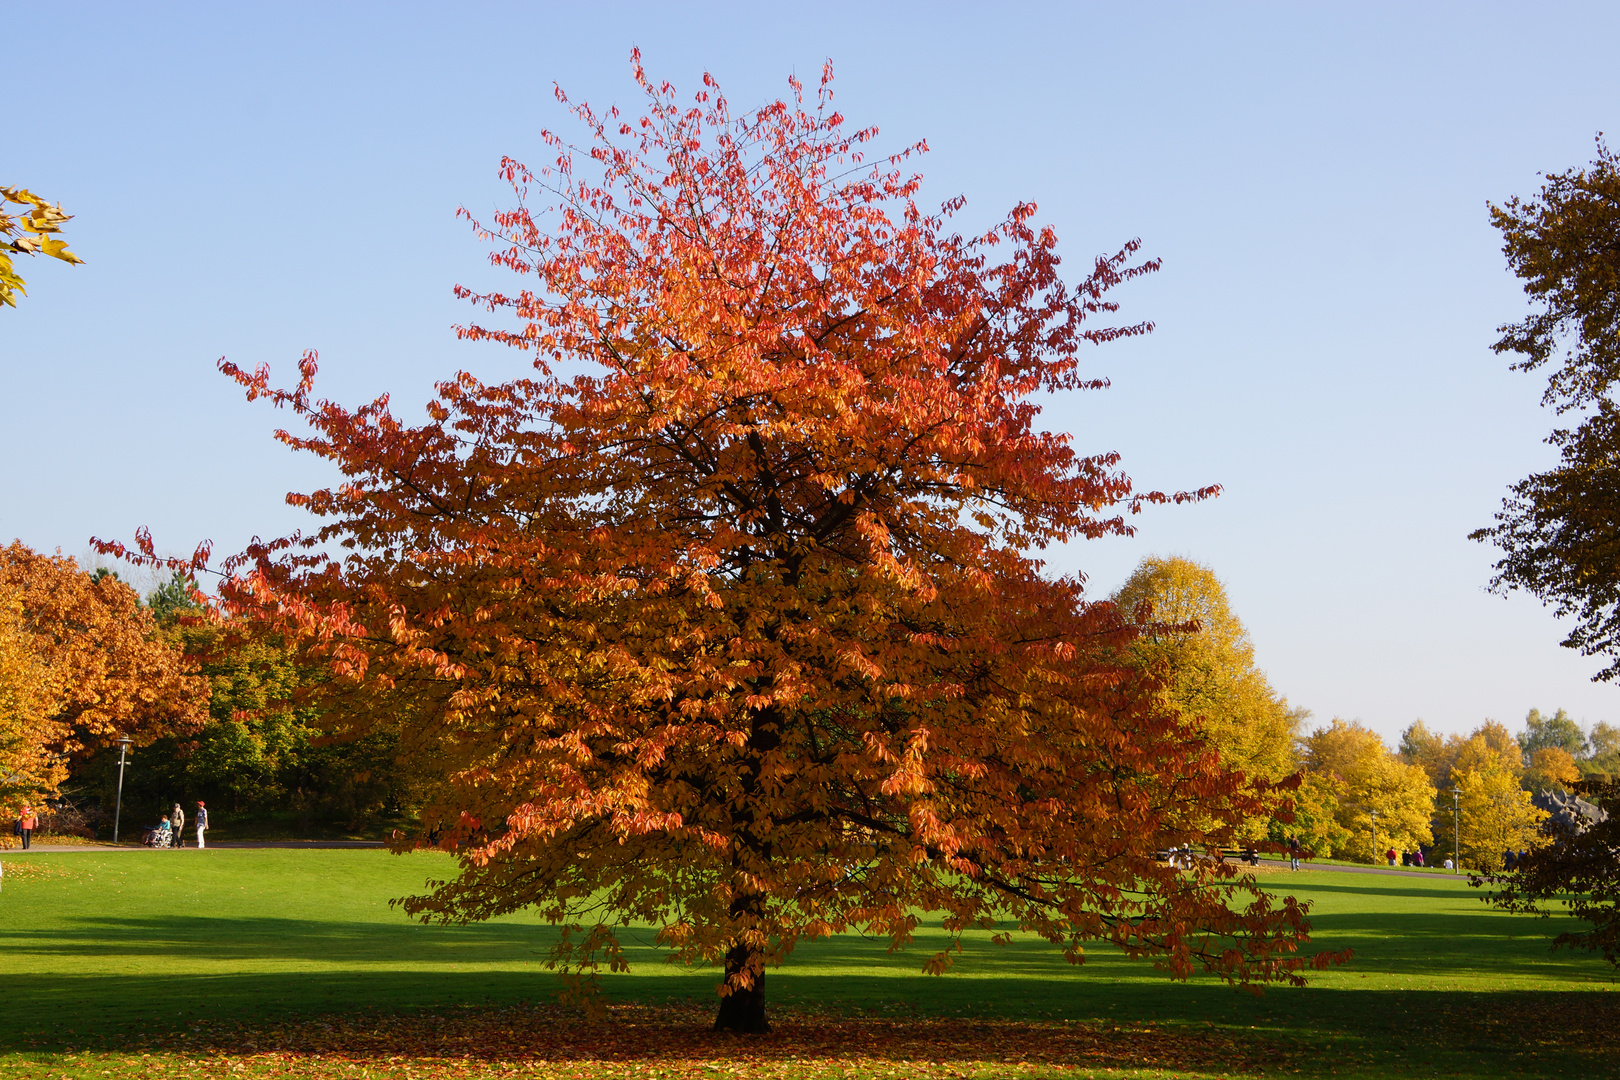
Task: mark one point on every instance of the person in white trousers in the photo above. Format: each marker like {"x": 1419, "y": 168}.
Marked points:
{"x": 200, "y": 823}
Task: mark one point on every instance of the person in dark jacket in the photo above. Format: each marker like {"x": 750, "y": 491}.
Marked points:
{"x": 200, "y": 823}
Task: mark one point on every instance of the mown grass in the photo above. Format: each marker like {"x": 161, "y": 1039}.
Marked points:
{"x": 184, "y": 955}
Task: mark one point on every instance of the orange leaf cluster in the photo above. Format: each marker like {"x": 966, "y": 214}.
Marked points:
{"x": 724, "y": 619}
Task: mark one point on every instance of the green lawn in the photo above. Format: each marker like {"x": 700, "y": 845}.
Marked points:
{"x": 98, "y": 950}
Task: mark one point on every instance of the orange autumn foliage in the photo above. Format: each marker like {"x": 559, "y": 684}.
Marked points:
{"x": 723, "y": 619}
{"x": 28, "y": 768}
{"x": 82, "y": 663}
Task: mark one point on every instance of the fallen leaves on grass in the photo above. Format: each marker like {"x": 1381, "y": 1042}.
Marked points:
{"x": 1568, "y": 1034}
{"x": 13, "y": 870}
{"x": 674, "y": 1041}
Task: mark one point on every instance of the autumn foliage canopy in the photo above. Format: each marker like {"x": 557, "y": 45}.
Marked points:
{"x": 724, "y": 618}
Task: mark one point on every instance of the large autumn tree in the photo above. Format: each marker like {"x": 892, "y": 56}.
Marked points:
{"x": 1556, "y": 528}
{"x": 722, "y": 619}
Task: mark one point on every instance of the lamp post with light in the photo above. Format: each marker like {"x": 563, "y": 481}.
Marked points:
{"x": 124, "y": 742}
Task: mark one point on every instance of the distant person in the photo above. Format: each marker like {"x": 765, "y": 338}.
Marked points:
{"x": 1293, "y": 853}
{"x": 1406, "y": 858}
{"x": 177, "y": 818}
{"x": 1509, "y": 860}
{"x": 165, "y": 835}
{"x": 200, "y": 823}
{"x": 1418, "y": 860}
{"x": 1448, "y": 865}
{"x": 26, "y": 824}
{"x": 1390, "y": 855}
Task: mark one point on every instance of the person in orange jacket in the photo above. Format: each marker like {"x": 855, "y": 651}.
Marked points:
{"x": 26, "y": 824}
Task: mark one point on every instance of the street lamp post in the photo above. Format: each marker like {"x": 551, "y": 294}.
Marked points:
{"x": 1374, "y": 815}
{"x": 124, "y": 742}
{"x": 1456, "y": 830}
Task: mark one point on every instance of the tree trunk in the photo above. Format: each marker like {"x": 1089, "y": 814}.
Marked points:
{"x": 743, "y": 1009}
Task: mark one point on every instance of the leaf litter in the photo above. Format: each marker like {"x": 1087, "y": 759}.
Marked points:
{"x": 672, "y": 1041}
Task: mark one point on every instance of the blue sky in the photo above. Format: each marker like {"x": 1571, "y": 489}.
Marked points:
{"x": 253, "y": 180}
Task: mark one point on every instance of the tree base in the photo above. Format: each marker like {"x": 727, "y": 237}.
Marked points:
{"x": 742, "y": 1010}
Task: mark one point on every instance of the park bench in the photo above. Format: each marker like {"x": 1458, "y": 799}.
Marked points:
{"x": 1248, "y": 855}
{"x": 1252, "y": 857}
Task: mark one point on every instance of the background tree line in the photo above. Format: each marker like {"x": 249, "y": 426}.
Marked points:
{"x": 212, "y": 712}
{"x": 1348, "y": 780}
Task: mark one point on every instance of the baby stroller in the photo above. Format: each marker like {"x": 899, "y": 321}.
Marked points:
{"x": 157, "y": 838}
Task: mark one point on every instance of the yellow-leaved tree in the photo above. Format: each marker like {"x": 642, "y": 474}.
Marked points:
{"x": 28, "y": 688}
{"x": 1376, "y": 783}
{"x": 1490, "y": 747}
{"x": 1192, "y": 639}
{"x": 1551, "y": 767}
{"x": 1433, "y": 752}
{"x": 1497, "y": 816}
{"x": 1316, "y": 815}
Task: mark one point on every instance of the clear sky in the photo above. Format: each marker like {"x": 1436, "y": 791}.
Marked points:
{"x": 253, "y": 180}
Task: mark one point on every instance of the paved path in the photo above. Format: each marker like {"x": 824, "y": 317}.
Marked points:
{"x": 1282, "y": 864}
{"x": 212, "y": 844}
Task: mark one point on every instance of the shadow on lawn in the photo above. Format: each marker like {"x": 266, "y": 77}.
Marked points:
{"x": 233, "y": 937}
{"x": 486, "y": 967}
{"x": 1487, "y": 940}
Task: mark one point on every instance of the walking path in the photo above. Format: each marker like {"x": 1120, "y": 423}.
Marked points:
{"x": 1282, "y": 864}
{"x": 212, "y": 844}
